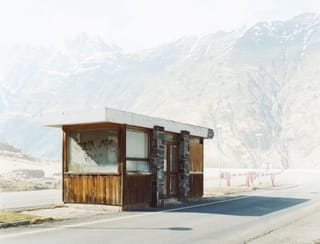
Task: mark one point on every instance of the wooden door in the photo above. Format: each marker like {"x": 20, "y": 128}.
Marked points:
{"x": 171, "y": 170}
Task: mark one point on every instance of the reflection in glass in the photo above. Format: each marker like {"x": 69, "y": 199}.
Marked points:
{"x": 93, "y": 151}
{"x": 173, "y": 184}
{"x": 136, "y": 144}
{"x": 137, "y": 166}
{"x": 165, "y": 159}
{"x": 173, "y": 158}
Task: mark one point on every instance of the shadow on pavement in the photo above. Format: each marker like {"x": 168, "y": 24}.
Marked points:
{"x": 238, "y": 206}
{"x": 252, "y": 206}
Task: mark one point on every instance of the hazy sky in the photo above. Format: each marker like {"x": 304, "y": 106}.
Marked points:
{"x": 136, "y": 24}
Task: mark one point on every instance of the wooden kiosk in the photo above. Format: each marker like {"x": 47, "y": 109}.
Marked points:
{"x": 119, "y": 158}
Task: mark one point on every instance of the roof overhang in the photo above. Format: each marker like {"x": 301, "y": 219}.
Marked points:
{"x": 63, "y": 118}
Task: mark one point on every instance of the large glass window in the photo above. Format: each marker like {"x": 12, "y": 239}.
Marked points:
{"x": 137, "y": 144}
{"x": 93, "y": 151}
{"x": 137, "y": 166}
{"x": 137, "y": 151}
{"x": 195, "y": 140}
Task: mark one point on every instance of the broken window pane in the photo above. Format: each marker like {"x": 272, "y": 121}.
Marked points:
{"x": 93, "y": 151}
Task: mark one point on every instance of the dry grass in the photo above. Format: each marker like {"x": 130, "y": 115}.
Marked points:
{"x": 11, "y": 216}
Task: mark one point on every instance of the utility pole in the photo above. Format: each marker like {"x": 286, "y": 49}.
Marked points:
{"x": 219, "y": 130}
{"x": 288, "y": 164}
{"x": 258, "y": 136}
{"x": 289, "y": 161}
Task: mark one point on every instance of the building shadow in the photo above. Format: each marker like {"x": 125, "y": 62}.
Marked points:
{"x": 237, "y": 206}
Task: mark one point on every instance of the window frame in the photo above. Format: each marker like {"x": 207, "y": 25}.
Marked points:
{"x": 88, "y": 127}
{"x": 147, "y": 159}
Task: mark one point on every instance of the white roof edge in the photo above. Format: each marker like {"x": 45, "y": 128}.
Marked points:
{"x": 58, "y": 119}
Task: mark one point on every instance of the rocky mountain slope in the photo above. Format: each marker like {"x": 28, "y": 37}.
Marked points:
{"x": 259, "y": 86}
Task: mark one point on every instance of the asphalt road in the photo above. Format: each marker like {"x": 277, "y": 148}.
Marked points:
{"x": 16, "y": 200}
{"x": 232, "y": 219}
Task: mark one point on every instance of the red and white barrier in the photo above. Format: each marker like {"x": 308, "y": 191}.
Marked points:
{"x": 250, "y": 176}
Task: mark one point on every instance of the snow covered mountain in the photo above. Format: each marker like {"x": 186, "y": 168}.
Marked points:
{"x": 259, "y": 86}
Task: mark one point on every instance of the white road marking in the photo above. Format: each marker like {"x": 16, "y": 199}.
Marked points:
{"x": 117, "y": 218}
{"x": 248, "y": 195}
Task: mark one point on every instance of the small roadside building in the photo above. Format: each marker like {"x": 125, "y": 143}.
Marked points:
{"x": 129, "y": 160}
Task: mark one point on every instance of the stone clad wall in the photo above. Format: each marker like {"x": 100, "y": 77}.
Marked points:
{"x": 184, "y": 167}
{"x": 157, "y": 167}
{"x": 157, "y": 163}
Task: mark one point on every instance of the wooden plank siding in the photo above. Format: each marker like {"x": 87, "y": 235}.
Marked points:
{"x": 137, "y": 190}
{"x": 196, "y": 185}
{"x": 130, "y": 190}
{"x": 64, "y": 159}
{"x": 196, "y": 170}
{"x": 196, "y": 157}
{"x": 92, "y": 189}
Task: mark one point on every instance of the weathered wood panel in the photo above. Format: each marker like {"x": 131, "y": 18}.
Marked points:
{"x": 94, "y": 189}
{"x": 196, "y": 185}
{"x": 196, "y": 157}
{"x": 137, "y": 190}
